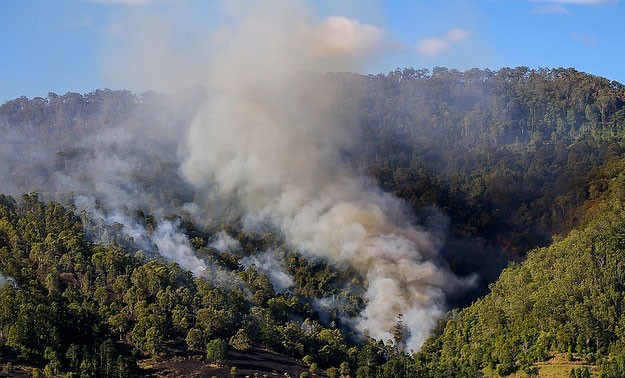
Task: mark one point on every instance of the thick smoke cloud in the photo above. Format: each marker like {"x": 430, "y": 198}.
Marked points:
{"x": 267, "y": 145}
{"x": 274, "y": 138}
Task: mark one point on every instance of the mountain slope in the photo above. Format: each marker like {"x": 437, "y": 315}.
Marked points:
{"x": 566, "y": 298}
{"x": 493, "y": 163}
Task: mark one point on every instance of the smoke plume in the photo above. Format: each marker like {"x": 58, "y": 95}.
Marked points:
{"x": 266, "y": 263}
{"x": 273, "y": 136}
{"x": 268, "y": 144}
{"x": 6, "y": 280}
{"x": 225, "y": 243}
{"x": 165, "y": 238}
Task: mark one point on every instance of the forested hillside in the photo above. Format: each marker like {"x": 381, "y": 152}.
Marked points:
{"x": 507, "y": 152}
{"x": 73, "y": 306}
{"x": 567, "y": 298}
{"x": 114, "y": 257}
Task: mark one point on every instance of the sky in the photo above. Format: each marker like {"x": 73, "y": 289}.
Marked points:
{"x": 74, "y": 45}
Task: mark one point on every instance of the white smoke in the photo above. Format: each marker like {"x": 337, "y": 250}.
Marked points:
{"x": 174, "y": 246}
{"x": 7, "y": 281}
{"x": 166, "y": 238}
{"x": 269, "y": 265}
{"x": 225, "y": 243}
{"x": 274, "y": 137}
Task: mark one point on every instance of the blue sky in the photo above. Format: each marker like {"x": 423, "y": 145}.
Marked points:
{"x": 66, "y": 45}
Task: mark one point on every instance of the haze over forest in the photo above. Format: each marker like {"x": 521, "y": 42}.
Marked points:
{"x": 358, "y": 223}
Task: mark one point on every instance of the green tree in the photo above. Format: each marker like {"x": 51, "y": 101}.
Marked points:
{"x": 240, "y": 340}
{"x": 217, "y": 351}
{"x": 332, "y": 372}
{"x": 195, "y": 339}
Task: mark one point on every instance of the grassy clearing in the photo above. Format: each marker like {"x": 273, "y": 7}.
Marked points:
{"x": 564, "y": 371}
{"x": 556, "y": 367}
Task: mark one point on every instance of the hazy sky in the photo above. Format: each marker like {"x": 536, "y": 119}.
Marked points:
{"x": 69, "y": 45}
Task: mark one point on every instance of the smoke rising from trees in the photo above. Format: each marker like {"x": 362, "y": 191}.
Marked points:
{"x": 268, "y": 142}
{"x": 274, "y": 138}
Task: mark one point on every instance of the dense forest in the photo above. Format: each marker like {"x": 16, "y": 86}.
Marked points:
{"x": 516, "y": 168}
{"x": 566, "y": 298}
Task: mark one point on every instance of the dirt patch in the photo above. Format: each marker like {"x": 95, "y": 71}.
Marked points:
{"x": 9, "y": 367}
{"x": 252, "y": 363}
